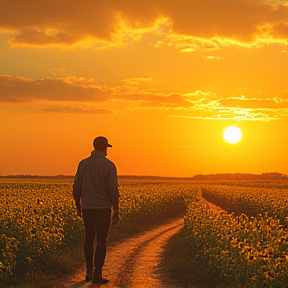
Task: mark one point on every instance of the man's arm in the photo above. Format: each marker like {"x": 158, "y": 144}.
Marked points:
{"x": 115, "y": 215}
{"x": 114, "y": 194}
{"x": 77, "y": 192}
{"x": 115, "y": 204}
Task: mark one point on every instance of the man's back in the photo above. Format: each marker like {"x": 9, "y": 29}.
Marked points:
{"x": 96, "y": 181}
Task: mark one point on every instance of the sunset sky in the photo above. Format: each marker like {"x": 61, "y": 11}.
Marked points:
{"x": 160, "y": 79}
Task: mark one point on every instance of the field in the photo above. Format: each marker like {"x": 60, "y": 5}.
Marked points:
{"x": 41, "y": 233}
{"x": 244, "y": 245}
{"x": 248, "y": 243}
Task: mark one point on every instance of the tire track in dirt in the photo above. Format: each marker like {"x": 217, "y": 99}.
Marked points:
{"x": 135, "y": 262}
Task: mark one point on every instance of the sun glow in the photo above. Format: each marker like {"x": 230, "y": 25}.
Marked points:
{"x": 232, "y": 134}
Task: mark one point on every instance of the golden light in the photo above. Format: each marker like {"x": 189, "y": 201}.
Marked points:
{"x": 232, "y": 134}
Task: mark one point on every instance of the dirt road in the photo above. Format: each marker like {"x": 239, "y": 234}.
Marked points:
{"x": 135, "y": 262}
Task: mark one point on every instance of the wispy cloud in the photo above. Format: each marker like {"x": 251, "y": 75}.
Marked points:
{"x": 202, "y": 24}
{"x": 261, "y": 103}
{"x": 238, "y": 108}
{"x": 86, "y": 96}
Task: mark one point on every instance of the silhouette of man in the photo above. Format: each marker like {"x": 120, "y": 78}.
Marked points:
{"x": 95, "y": 190}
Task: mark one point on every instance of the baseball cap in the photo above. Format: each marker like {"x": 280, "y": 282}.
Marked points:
{"x": 101, "y": 141}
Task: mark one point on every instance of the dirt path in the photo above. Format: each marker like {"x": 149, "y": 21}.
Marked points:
{"x": 135, "y": 262}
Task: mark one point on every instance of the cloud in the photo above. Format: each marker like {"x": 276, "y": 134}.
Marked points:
{"x": 255, "y": 103}
{"x": 86, "y": 96}
{"x": 72, "y": 89}
{"x": 281, "y": 30}
{"x": 156, "y": 100}
{"x": 74, "y": 110}
{"x": 213, "y": 57}
{"x": 205, "y": 23}
{"x": 237, "y": 108}
{"x": 20, "y": 89}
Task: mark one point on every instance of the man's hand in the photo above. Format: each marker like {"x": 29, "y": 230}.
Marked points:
{"x": 115, "y": 217}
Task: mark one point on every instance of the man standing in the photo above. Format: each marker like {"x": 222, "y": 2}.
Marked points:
{"x": 95, "y": 190}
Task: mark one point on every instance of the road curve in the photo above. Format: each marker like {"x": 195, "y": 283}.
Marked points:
{"x": 135, "y": 262}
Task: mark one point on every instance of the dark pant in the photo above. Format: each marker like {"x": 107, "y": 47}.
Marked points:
{"x": 96, "y": 222}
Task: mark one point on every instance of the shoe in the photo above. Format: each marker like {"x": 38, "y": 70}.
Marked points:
{"x": 98, "y": 279}
{"x": 89, "y": 272}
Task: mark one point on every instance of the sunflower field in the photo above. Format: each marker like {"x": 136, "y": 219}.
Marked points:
{"x": 39, "y": 222}
{"x": 242, "y": 241}
{"x": 241, "y": 250}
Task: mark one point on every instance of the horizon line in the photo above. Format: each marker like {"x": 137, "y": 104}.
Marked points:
{"x": 146, "y": 176}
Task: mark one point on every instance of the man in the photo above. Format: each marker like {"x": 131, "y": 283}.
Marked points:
{"x": 95, "y": 190}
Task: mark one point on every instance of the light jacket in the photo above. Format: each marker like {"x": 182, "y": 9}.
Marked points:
{"x": 95, "y": 182}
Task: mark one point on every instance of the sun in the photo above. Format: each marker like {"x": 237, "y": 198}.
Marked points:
{"x": 232, "y": 134}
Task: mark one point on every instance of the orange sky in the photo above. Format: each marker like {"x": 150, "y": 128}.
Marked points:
{"x": 160, "y": 79}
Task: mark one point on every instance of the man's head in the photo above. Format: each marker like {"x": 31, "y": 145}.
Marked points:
{"x": 101, "y": 143}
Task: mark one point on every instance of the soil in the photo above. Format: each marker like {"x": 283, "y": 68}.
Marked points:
{"x": 134, "y": 263}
